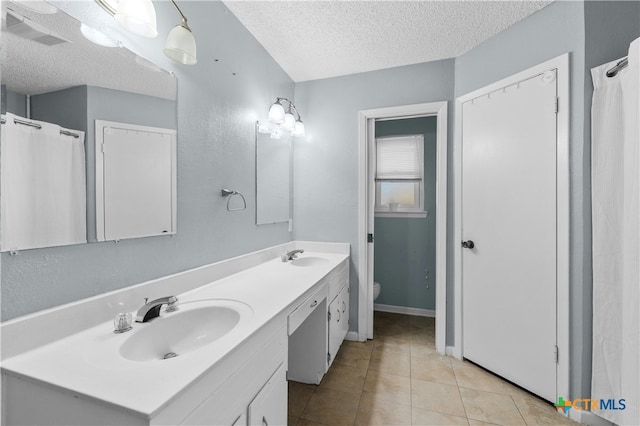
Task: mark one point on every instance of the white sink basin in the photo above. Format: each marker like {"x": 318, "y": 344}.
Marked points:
{"x": 195, "y": 325}
{"x": 309, "y": 261}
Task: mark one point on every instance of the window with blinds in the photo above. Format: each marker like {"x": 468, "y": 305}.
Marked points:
{"x": 399, "y": 174}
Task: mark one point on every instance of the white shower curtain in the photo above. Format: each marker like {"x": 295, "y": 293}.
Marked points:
{"x": 42, "y": 186}
{"x": 615, "y": 162}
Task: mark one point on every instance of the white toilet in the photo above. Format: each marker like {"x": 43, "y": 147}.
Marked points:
{"x": 376, "y": 290}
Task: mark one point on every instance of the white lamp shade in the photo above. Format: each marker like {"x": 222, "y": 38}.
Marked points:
{"x": 96, "y": 37}
{"x": 289, "y": 122}
{"x": 181, "y": 46}
{"x": 276, "y": 113}
{"x": 299, "y": 129}
{"x": 137, "y": 16}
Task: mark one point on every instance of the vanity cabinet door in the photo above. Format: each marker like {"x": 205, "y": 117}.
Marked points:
{"x": 269, "y": 407}
{"x": 338, "y": 322}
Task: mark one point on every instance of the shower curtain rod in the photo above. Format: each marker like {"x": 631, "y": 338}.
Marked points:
{"x": 620, "y": 65}
{"x": 37, "y": 126}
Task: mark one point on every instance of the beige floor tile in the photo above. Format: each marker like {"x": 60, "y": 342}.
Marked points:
{"x": 354, "y": 355}
{"x": 299, "y": 396}
{"x": 490, "y": 407}
{"x": 388, "y": 387}
{"x": 331, "y": 407}
{"x": 392, "y": 344}
{"x": 536, "y": 411}
{"x": 432, "y": 370}
{"x": 424, "y": 350}
{"x": 344, "y": 378}
{"x": 304, "y": 422}
{"x": 474, "y": 422}
{"x": 393, "y": 330}
{"x": 390, "y": 362}
{"x": 473, "y": 377}
{"x": 373, "y": 411}
{"x": 423, "y": 322}
{"x": 422, "y": 417}
{"x": 436, "y": 397}
{"x": 292, "y": 421}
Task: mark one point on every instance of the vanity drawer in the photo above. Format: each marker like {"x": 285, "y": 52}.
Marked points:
{"x": 301, "y": 313}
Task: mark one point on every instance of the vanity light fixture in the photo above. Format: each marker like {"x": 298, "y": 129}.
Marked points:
{"x": 139, "y": 17}
{"x": 181, "y": 45}
{"x": 289, "y": 120}
{"x": 136, "y": 16}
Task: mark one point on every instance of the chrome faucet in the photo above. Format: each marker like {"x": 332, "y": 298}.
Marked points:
{"x": 291, "y": 255}
{"x": 151, "y": 310}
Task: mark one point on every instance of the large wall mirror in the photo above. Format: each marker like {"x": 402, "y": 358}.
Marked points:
{"x": 273, "y": 177}
{"x": 55, "y": 80}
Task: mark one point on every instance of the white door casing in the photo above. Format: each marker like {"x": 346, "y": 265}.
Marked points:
{"x": 511, "y": 289}
{"x": 366, "y": 121}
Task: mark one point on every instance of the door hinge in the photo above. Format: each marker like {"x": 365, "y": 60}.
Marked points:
{"x": 102, "y": 148}
{"x": 328, "y": 358}
{"x": 369, "y": 238}
{"x": 328, "y": 316}
{"x": 556, "y": 104}
{"x": 555, "y": 353}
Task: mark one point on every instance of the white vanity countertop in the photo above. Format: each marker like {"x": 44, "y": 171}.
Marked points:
{"x": 89, "y": 362}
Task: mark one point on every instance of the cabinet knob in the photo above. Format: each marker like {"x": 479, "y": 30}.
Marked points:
{"x": 468, "y": 244}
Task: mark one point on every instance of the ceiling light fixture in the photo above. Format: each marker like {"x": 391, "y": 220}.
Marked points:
{"x": 286, "y": 120}
{"x": 181, "y": 45}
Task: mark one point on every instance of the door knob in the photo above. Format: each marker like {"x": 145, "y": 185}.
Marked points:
{"x": 468, "y": 244}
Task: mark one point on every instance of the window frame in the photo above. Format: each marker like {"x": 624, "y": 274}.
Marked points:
{"x": 404, "y": 211}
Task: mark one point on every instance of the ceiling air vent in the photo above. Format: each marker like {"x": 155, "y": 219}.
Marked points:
{"x": 25, "y": 28}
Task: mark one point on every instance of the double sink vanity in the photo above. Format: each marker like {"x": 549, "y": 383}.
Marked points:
{"x": 242, "y": 327}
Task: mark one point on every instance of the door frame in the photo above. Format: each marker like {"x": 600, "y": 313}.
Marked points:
{"x": 561, "y": 64}
{"x": 365, "y": 278}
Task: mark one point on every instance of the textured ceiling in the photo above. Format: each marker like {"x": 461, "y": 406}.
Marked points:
{"x": 30, "y": 67}
{"x": 319, "y": 39}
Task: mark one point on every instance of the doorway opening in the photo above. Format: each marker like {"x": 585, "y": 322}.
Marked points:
{"x": 389, "y": 120}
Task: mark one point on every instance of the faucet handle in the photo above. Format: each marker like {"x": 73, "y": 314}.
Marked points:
{"x": 172, "y": 304}
{"x": 122, "y": 322}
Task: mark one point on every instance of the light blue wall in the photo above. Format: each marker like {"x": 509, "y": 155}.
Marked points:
{"x": 326, "y": 168}
{"x": 405, "y": 248}
{"x": 13, "y": 102}
{"x": 216, "y": 117}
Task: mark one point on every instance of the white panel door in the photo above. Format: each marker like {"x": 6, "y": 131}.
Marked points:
{"x": 509, "y": 213}
{"x": 138, "y": 183}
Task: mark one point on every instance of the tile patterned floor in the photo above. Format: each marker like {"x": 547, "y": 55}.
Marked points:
{"x": 399, "y": 379}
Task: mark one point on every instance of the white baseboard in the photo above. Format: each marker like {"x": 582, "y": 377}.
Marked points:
{"x": 448, "y": 350}
{"x": 588, "y": 418}
{"x": 352, "y": 336}
{"x": 404, "y": 310}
